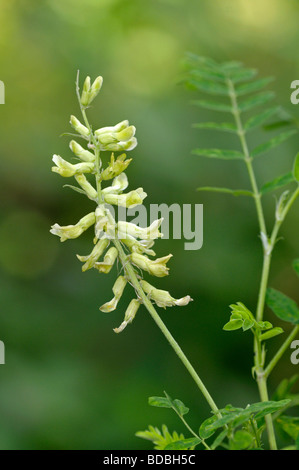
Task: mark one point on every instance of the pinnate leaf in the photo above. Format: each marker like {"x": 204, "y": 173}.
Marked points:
{"x": 284, "y": 308}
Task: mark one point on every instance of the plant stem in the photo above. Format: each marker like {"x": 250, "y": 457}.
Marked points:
{"x": 150, "y": 308}
{"x": 281, "y": 351}
{"x": 258, "y": 357}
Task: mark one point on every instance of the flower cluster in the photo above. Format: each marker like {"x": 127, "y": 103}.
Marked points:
{"x": 123, "y": 241}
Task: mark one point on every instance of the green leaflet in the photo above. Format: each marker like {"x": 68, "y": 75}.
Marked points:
{"x": 219, "y": 153}
{"x": 274, "y": 142}
{"x": 271, "y": 334}
{"x": 183, "y": 444}
{"x": 233, "y": 192}
{"x": 289, "y": 425}
{"x": 160, "y": 439}
{"x": 209, "y": 86}
{"x": 234, "y": 417}
{"x": 260, "y": 118}
{"x": 213, "y": 105}
{"x": 219, "y": 126}
{"x": 296, "y": 168}
{"x": 253, "y": 86}
{"x": 277, "y": 183}
{"x": 241, "y": 74}
{"x": 256, "y": 100}
{"x": 242, "y": 440}
{"x": 167, "y": 402}
{"x": 284, "y": 308}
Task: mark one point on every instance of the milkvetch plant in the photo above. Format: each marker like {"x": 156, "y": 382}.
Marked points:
{"x": 103, "y": 180}
{"x": 243, "y": 428}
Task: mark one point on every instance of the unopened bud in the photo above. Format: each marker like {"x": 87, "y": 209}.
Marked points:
{"x": 80, "y": 128}
{"x": 85, "y": 92}
{"x": 80, "y": 152}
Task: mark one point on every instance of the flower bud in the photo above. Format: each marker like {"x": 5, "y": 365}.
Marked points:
{"x": 162, "y": 297}
{"x": 80, "y": 152}
{"x": 131, "y": 199}
{"x": 109, "y": 260}
{"x": 91, "y": 259}
{"x": 76, "y": 124}
{"x": 115, "y": 168}
{"x": 85, "y": 92}
{"x": 90, "y": 191}
{"x": 66, "y": 169}
{"x": 155, "y": 267}
{"x": 126, "y": 134}
{"x": 73, "y": 231}
{"x": 148, "y": 233}
{"x": 117, "y": 290}
{"x": 111, "y": 129}
{"x": 129, "y": 315}
{"x": 95, "y": 88}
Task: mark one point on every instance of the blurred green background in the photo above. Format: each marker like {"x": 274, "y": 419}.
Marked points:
{"x": 69, "y": 382}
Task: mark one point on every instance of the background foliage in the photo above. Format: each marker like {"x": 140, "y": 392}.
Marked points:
{"x": 69, "y": 382}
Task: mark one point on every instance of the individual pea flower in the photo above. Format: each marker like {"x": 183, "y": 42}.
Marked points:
{"x": 115, "y": 167}
{"x": 73, "y": 231}
{"x": 131, "y": 199}
{"x": 139, "y": 246}
{"x": 93, "y": 257}
{"x": 117, "y": 290}
{"x": 105, "y": 223}
{"x": 79, "y": 127}
{"x": 129, "y": 315}
{"x": 88, "y": 189}
{"x": 66, "y": 169}
{"x": 119, "y": 184}
{"x": 89, "y": 92}
{"x": 155, "y": 267}
{"x": 82, "y": 153}
{"x": 117, "y": 138}
{"x": 162, "y": 297}
{"x": 109, "y": 259}
{"x": 125, "y": 229}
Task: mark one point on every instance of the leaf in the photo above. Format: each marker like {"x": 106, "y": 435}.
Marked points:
{"x": 160, "y": 439}
{"x": 257, "y": 120}
{"x": 296, "y": 265}
{"x": 233, "y": 325}
{"x": 183, "y": 444}
{"x": 233, "y": 192}
{"x": 223, "y": 126}
{"x": 277, "y": 183}
{"x": 271, "y": 333}
{"x": 285, "y": 387}
{"x": 253, "y": 86}
{"x": 242, "y": 440}
{"x": 289, "y": 425}
{"x": 296, "y": 168}
{"x": 159, "y": 402}
{"x": 218, "y": 153}
{"x": 213, "y": 105}
{"x": 272, "y": 143}
{"x": 284, "y": 308}
{"x": 256, "y": 100}
{"x": 247, "y": 324}
{"x": 241, "y": 75}
{"x": 209, "y": 86}
{"x": 177, "y": 405}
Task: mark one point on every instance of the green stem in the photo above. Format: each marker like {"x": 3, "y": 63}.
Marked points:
{"x": 258, "y": 356}
{"x": 281, "y": 351}
{"x": 152, "y": 311}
